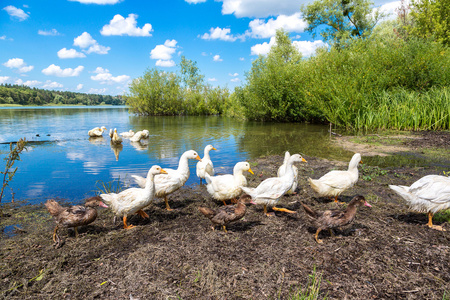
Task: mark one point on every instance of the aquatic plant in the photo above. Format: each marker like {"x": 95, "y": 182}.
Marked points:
{"x": 13, "y": 156}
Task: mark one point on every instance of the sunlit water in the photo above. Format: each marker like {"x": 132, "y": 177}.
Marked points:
{"x": 64, "y": 162}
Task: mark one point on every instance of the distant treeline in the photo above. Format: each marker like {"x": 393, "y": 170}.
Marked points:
{"x": 24, "y": 95}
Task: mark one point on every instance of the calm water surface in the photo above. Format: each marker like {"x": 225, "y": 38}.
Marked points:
{"x": 64, "y": 162}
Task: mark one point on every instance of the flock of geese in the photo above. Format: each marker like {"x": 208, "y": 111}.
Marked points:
{"x": 429, "y": 194}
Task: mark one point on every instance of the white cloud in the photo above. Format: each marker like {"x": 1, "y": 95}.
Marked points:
{"x": 52, "y": 84}
{"x": 212, "y": 79}
{"x": 57, "y": 71}
{"x": 121, "y": 26}
{"x": 219, "y": 34}
{"x": 233, "y": 75}
{"x": 261, "y": 29}
{"x": 235, "y": 80}
{"x": 102, "y": 2}
{"x": 3, "y": 79}
{"x": 69, "y": 53}
{"x": 27, "y": 83}
{"x": 79, "y": 87}
{"x": 105, "y": 77}
{"x": 308, "y": 48}
{"x": 261, "y": 8}
{"x": 241, "y": 58}
{"x": 97, "y": 91}
{"x": 19, "y": 64}
{"x": 165, "y": 63}
{"x": 85, "y": 40}
{"x": 163, "y": 53}
{"x": 16, "y": 12}
{"x": 217, "y": 58}
{"x": 195, "y": 1}
{"x": 389, "y": 9}
{"x": 48, "y": 32}
{"x": 262, "y": 49}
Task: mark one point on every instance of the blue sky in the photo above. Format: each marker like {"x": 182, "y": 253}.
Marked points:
{"x": 99, "y": 46}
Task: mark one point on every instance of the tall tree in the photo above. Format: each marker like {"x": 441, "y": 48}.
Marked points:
{"x": 190, "y": 74}
{"x": 341, "y": 20}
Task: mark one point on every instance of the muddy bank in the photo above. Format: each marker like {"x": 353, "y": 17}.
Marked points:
{"x": 386, "y": 253}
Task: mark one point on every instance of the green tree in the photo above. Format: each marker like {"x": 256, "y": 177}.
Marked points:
{"x": 431, "y": 18}
{"x": 344, "y": 20}
{"x": 190, "y": 74}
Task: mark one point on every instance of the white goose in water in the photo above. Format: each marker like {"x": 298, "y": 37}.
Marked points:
{"x": 206, "y": 165}
{"x": 116, "y": 139}
{"x": 133, "y": 200}
{"x": 282, "y": 170}
{"x": 429, "y": 194}
{"x": 97, "y": 131}
{"x": 272, "y": 189}
{"x": 128, "y": 134}
{"x": 335, "y": 182}
{"x": 228, "y": 186}
{"x": 143, "y": 134}
{"x": 173, "y": 180}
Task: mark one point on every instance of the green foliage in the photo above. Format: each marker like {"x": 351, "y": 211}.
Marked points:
{"x": 114, "y": 186}
{"x": 273, "y": 91}
{"x": 341, "y": 20}
{"x": 431, "y": 18}
{"x": 13, "y": 156}
{"x": 312, "y": 291}
{"x": 24, "y": 95}
{"x": 369, "y": 172}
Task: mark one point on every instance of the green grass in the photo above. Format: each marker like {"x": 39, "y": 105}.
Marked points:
{"x": 113, "y": 186}
{"x": 312, "y": 290}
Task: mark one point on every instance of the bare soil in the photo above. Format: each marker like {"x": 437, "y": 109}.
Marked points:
{"x": 386, "y": 253}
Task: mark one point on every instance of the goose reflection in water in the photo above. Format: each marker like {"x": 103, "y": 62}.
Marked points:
{"x": 97, "y": 140}
{"x": 116, "y": 148}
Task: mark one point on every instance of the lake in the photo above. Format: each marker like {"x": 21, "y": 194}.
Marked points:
{"x": 64, "y": 162}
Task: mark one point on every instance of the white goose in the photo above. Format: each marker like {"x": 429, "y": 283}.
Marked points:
{"x": 173, "y": 180}
{"x": 133, "y": 200}
{"x": 143, "y": 134}
{"x": 97, "y": 131}
{"x": 335, "y": 182}
{"x": 226, "y": 187}
{"x": 271, "y": 189}
{"x": 116, "y": 139}
{"x": 128, "y": 134}
{"x": 206, "y": 165}
{"x": 429, "y": 194}
{"x": 282, "y": 171}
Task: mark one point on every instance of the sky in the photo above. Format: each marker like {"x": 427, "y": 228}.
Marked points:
{"x": 100, "y": 46}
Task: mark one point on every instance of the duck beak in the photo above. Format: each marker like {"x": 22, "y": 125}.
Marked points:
{"x": 198, "y": 158}
{"x": 101, "y": 204}
{"x": 163, "y": 171}
{"x": 214, "y": 148}
{"x": 367, "y": 204}
{"x": 250, "y": 170}
{"x": 303, "y": 160}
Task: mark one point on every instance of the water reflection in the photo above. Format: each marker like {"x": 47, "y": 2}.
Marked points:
{"x": 116, "y": 148}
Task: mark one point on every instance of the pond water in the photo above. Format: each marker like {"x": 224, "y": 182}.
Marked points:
{"x": 64, "y": 162}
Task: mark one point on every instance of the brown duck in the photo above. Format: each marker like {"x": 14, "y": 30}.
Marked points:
{"x": 227, "y": 214}
{"x": 334, "y": 218}
{"x": 73, "y": 216}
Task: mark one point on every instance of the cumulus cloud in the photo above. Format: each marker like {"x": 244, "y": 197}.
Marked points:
{"x": 126, "y": 26}
{"x": 308, "y": 48}
{"x": 212, "y": 79}
{"x": 19, "y": 64}
{"x": 105, "y": 77}
{"x": 195, "y": 1}
{"x": 3, "y": 79}
{"x": 16, "y": 12}
{"x": 70, "y": 53}
{"x": 97, "y": 91}
{"x": 261, "y": 29}
{"x": 102, "y": 2}
{"x": 163, "y": 53}
{"x": 27, "y": 83}
{"x": 235, "y": 80}
{"x": 217, "y": 58}
{"x": 264, "y": 48}
{"x": 241, "y": 58}
{"x": 219, "y": 34}
{"x": 389, "y": 9}
{"x": 57, "y": 71}
{"x": 85, "y": 40}
{"x": 260, "y": 8}
{"x": 79, "y": 87}
{"x": 233, "y": 75}
{"x": 52, "y": 85}
{"x": 52, "y": 32}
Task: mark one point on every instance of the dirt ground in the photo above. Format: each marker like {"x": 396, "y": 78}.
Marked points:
{"x": 386, "y": 253}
